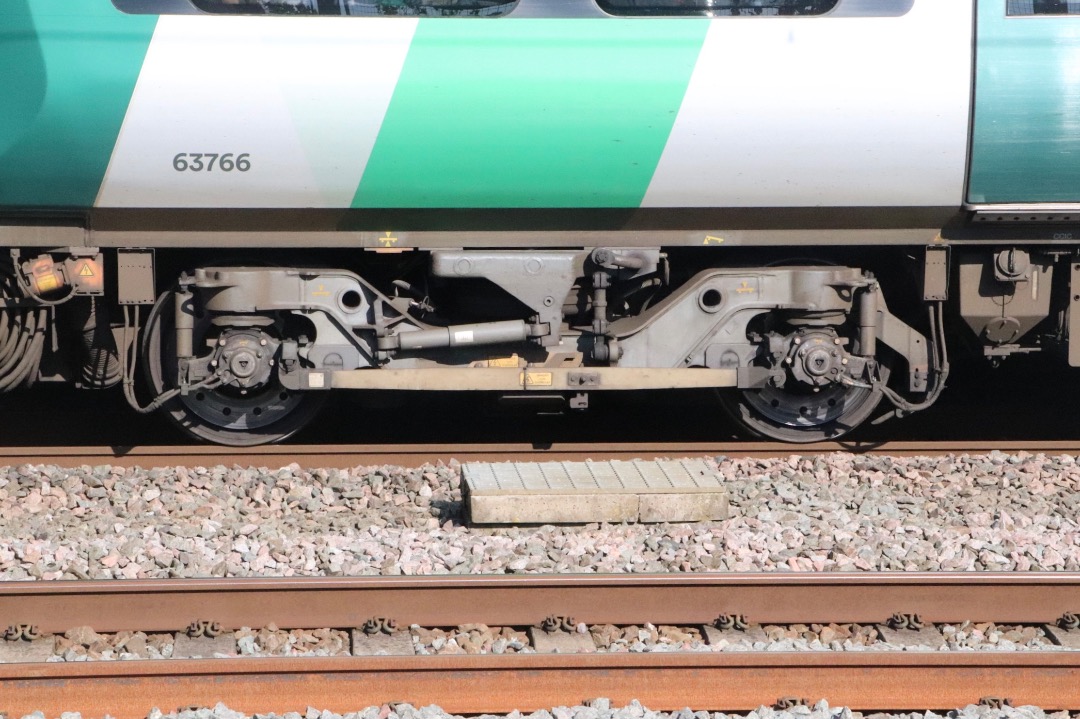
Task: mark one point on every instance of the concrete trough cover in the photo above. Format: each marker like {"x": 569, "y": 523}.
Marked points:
{"x": 684, "y": 490}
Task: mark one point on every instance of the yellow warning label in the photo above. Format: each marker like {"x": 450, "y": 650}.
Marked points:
{"x": 536, "y": 379}
{"x": 86, "y": 270}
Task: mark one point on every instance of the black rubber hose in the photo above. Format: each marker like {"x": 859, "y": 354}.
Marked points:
{"x": 101, "y": 360}
{"x": 22, "y": 335}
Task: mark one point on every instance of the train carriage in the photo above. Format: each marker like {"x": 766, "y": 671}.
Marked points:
{"x": 228, "y": 208}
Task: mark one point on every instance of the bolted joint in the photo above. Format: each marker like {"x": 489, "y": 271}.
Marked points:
{"x": 379, "y": 625}
{"x": 558, "y": 623}
{"x": 1069, "y": 621}
{"x": 204, "y": 628}
{"x": 784, "y": 703}
{"x": 22, "y": 632}
{"x": 725, "y": 622}
{"x": 900, "y": 621}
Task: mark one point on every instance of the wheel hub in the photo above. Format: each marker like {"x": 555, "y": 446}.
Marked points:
{"x": 817, "y": 359}
{"x": 245, "y": 359}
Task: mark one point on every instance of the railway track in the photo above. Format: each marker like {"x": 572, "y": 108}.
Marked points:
{"x": 411, "y": 455}
{"x": 867, "y": 680}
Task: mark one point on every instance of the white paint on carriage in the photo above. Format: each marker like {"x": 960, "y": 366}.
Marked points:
{"x": 820, "y": 111}
{"x": 304, "y": 98}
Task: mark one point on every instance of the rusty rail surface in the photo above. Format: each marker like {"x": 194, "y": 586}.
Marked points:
{"x": 526, "y": 682}
{"x": 413, "y": 455}
{"x": 522, "y": 600}
{"x": 499, "y": 683}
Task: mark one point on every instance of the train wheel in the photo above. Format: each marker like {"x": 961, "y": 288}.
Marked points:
{"x": 818, "y": 390}
{"x": 798, "y": 416}
{"x": 261, "y": 413}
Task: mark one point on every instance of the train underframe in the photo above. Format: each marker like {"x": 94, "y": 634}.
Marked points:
{"x": 241, "y": 352}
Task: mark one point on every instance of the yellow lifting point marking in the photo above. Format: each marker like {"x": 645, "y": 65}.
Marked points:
{"x": 745, "y": 288}
{"x": 388, "y": 240}
{"x": 710, "y": 240}
{"x": 321, "y": 292}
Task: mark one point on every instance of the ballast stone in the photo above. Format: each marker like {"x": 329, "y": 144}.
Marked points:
{"x": 685, "y": 490}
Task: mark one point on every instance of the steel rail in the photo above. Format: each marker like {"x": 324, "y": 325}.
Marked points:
{"x": 413, "y": 455}
{"x": 502, "y": 683}
{"x": 523, "y": 600}
{"x": 473, "y": 684}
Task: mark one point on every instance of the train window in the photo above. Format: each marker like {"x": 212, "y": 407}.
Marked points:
{"x": 363, "y": 8}
{"x": 360, "y": 8}
{"x": 1043, "y": 7}
{"x": 717, "y": 8}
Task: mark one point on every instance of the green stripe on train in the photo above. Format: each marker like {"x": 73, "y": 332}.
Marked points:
{"x": 1026, "y": 143}
{"x": 72, "y": 67}
{"x": 484, "y": 114}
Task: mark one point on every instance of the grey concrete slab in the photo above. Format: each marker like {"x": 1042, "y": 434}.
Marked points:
{"x": 552, "y": 509}
{"x": 397, "y": 643}
{"x": 38, "y": 650}
{"x": 1064, "y": 637}
{"x": 560, "y": 642}
{"x": 186, "y": 647}
{"x": 683, "y": 507}
{"x": 580, "y": 492}
{"x": 929, "y": 636}
{"x": 753, "y": 633}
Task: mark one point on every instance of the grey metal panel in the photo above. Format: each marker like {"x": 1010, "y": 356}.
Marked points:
{"x": 41, "y": 236}
{"x": 448, "y": 229}
{"x": 556, "y": 9}
{"x": 157, "y": 7}
{"x": 936, "y": 274}
{"x": 1058, "y": 207}
{"x": 872, "y": 8}
{"x": 459, "y": 240}
{"x": 389, "y": 223}
{"x": 1074, "y": 316}
{"x": 1032, "y": 212}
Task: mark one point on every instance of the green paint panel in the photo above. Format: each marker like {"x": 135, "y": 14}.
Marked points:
{"x": 531, "y": 113}
{"x": 77, "y": 62}
{"x": 1026, "y": 144}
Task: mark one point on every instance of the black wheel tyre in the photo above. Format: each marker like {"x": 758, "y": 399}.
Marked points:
{"x": 215, "y": 415}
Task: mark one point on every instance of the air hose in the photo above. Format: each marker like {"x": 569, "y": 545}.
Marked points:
{"x": 22, "y": 333}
